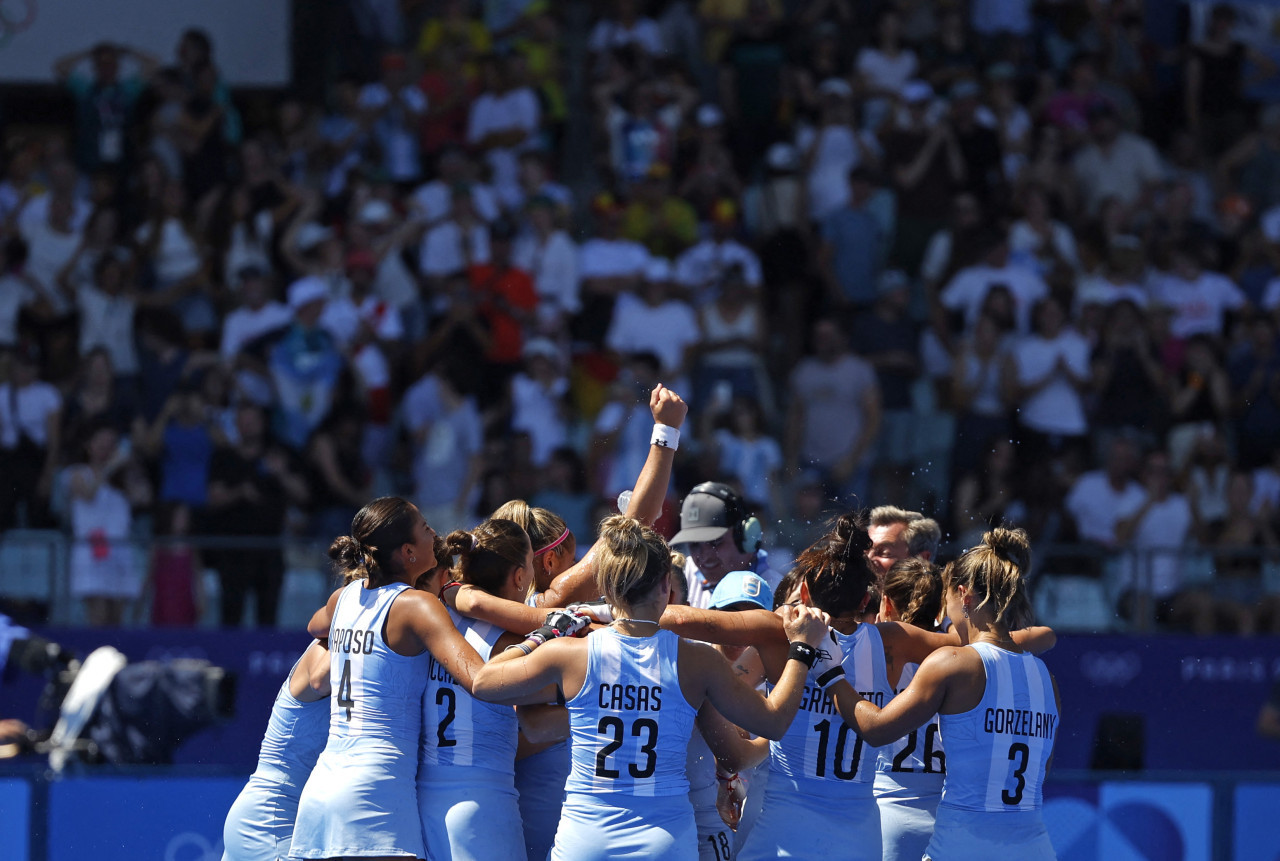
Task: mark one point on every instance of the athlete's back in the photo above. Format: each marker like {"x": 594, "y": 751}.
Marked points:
{"x": 361, "y": 796}
{"x": 629, "y": 729}
{"x": 821, "y": 760}
{"x": 466, "y": 786}
{"x": 997, "y": 756}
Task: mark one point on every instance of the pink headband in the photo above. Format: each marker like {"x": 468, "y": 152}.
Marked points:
{"x": 554, "y": 544}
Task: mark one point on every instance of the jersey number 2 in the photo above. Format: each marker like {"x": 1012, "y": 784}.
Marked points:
{"x": 1014, "y": 796}
{"x": 442, "y": 695}
{"x": 613, "y": 726}
{"x": 344, "y": 690}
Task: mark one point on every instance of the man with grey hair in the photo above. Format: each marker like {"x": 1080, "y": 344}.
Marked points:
{"x": 896, "y": 533}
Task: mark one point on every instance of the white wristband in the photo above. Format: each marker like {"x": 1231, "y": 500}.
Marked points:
{"x": 665, "y": 436}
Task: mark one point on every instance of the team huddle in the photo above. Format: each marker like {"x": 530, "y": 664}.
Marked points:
{"x": 658, "y": 708}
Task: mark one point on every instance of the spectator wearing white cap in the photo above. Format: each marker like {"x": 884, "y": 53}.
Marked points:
{"x": 654, "y": 321}
{"x": 304, "y": 365}
{"x": 834, "y": 148}
{"x": 312, "y": 248}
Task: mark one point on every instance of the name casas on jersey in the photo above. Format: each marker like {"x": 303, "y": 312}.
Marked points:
{"x": 616, "y": 697}
{"x": 1023, "y": 722}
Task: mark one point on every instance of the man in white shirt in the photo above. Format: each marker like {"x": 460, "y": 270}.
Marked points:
{"x": 456, "y": 243}
{"x": 655, "y": 322}
{"x": 1199, "y": 300}
{"x": 968, "y": 290}
{"x": 257, "y": 315}
{"x": 1101, "y": 498}
{"x": 1156, "y": 526}
{"x": 701, "y": 268}
{"x": 434, "y": 200}
{"x": 503, "y": 122}
{"x": 608, "y": 266}
{"x": 1115, "y": 163}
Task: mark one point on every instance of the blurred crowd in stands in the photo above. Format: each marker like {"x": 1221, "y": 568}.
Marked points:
{"x": 996, "y": 260}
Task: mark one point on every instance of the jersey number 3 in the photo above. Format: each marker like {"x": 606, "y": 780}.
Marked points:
{"x": 613, "y": 726}
{"x": 1017, "y": 751}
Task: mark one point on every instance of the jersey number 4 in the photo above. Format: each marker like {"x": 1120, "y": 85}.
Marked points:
{"x": 344, "y": 690}
{"x": 614, "y": 726}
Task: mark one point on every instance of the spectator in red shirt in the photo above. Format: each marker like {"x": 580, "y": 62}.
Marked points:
{"x": 507, "y": 302}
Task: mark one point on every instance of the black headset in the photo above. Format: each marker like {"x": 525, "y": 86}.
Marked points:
{"x": 748, "y": 533}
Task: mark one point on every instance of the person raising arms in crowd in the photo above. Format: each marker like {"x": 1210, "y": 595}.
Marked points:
{"x": 360, "y": 798}
{"x": 997, "y": 706}
{"x": 632, "y": 691}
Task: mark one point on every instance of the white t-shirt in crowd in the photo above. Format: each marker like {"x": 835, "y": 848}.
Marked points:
{"x": 435, "y": 200}
{"x": 442, "y": 249}
{"x": 48, "y": 251}
{"x": 342, "y": 319}
{"x": 666, "y": 330}
{"x": 177, "y": 255}
{"x": 513, "y": 110}
{"x": 1199, "y": 306}
{"x": 1097, "y": 506}
{"x": 1123, "y": 171}
{"x": 610, "y": 258}
{"x": 535, "y": 410}
{"x": 1057, "y": 408}
{"x": 968, "y": 289}
{"x": 36, "y": 211}
{"x": 1165, "y": 526}
{"x": 32, "y": 406}
{"x": 702, "y": 266}
{"x": 836, "y": 152}
{"x": 107, "y": 321}
{"x": 393, "y": 282}
{"x": 1100, "y": 290}
{"x": 244, "y": 325}
{"x": 1023, "y": 240}
{"x": 553, "y": 266}
{"x": 883, "y": 72}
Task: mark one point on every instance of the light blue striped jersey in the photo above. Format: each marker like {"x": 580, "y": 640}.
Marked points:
{"x": 997, "y": 752}
{"x": 918, "y": 752}
{"x": 458, "y": 729}
{"x": 819, "y": 745}
{"x": 630, "y": 724}
{"x": 376, "y": 692}
{"x": 296, "y": 733}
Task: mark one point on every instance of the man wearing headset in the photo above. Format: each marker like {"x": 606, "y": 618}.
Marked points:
{"x": 721, "y": 536}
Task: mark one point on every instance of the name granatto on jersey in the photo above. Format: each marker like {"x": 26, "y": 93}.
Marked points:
{"x": 816, "y": 700}
{"x": 1023, "y": 722}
